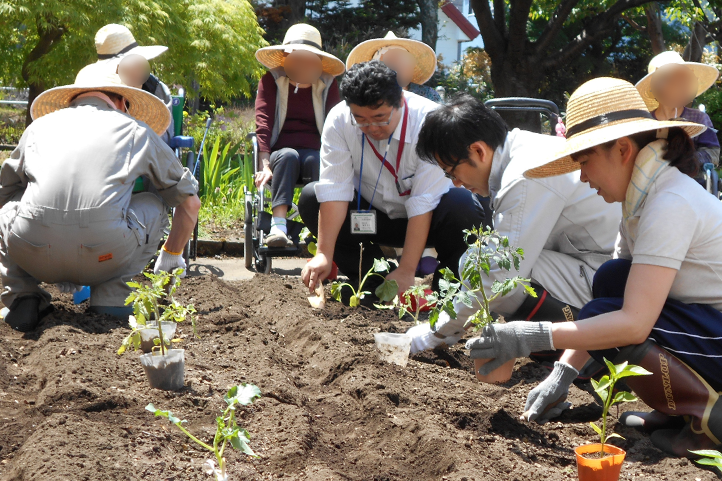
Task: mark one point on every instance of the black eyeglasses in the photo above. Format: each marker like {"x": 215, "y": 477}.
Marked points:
{"x": 450, "y": 173}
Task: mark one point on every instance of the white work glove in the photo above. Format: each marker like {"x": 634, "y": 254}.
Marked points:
{"x": 423, "y": 337}
{"x": 547, "y": 400}
{"x": 504, "y": 342}
{"x": 68, "y": 287}
{"x": 168, "y": 262}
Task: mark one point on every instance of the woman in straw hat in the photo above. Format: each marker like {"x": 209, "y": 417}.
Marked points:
{"x": 293, "y": 99}
{"x": 670, "y": 86}
{"x": 657, "y": 304}
{"x": 413, "y": 61}
{"x": 68, "y": 213}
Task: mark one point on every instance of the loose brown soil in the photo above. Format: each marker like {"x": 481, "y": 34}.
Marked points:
{"x": 71, "y": 409}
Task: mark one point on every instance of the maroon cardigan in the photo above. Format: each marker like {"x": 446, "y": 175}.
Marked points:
{"x": 299, "y": 129}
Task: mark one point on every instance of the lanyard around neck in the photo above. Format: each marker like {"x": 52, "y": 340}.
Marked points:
{"x": 384, "y": 163}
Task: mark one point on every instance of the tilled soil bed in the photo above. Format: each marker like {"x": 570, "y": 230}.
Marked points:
{"x": 72, "y": 409}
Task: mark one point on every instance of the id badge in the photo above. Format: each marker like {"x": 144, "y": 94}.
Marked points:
{"x": 363, "y": 222}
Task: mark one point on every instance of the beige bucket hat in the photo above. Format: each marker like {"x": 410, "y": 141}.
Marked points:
{"x": 706, "y": 75}
{"x": 424, "y": 55}
{"x": 144, "y": 106}
{"x": 300, "y": 37}
{"x": 115, "y": 40}
{"x": 602, "y": 110}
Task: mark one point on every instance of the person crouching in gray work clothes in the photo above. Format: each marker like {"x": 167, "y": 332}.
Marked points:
{"x": 67, "y": 212}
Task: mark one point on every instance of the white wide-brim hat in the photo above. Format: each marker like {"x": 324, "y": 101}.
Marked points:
{"x": 300, "y": 37}
{"x": 600, "y": 111}
{"x": 144, "y": 106}
{"x": 425, "y": 57}
{"x": 115, "y": 40}
{"x": 706, "y": 75}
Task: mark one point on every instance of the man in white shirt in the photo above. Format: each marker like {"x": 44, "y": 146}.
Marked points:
{"x": 565, "y": 229}
{"x": 368, "y": 146}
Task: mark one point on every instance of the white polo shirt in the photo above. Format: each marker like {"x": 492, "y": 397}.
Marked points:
{"x": 341, "y": 164}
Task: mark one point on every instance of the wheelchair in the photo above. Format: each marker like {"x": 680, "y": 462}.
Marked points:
{"x": 543, "y": 107}
{"x": 257, "y": 222}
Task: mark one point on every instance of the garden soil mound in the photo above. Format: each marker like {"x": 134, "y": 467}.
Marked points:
{"x": 72, "y": 409}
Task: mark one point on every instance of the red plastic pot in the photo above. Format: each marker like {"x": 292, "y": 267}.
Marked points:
{"x": 599, "y": 469}
{"x": 498, "y": 375}
{"x": 412, "y": 302}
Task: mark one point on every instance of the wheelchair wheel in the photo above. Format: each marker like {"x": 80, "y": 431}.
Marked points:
{"x": 248, "y": 235}
{"x": 263, "y": 264}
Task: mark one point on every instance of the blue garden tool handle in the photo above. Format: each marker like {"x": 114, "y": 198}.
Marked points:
{"x": 200, "y": 149}
{"x": 82, "y": 295}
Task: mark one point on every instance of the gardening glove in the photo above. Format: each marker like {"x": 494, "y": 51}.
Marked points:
{"x": 547, "y": 400}
{"x": 168, "y": 262}
{"x": 446, "y": 331}
{"x": 504, "y": 342}
{"x": 68, "y": 287}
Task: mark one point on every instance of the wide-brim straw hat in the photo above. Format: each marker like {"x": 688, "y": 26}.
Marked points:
{"x": 706, "y": 75}
{"x": 600, "y": 111}
{"x": 115, "y": 40}
{"x": 144, "y": 106}
{"x": 425, "y": 64}
{"x": 300, "y": 37}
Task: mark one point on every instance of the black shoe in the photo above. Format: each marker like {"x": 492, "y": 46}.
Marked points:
{"x": 24, "y": 314}
{"x": 649, "y": 422}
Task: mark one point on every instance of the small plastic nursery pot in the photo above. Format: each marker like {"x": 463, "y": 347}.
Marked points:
{"x": 166, "y": 372}
{"x": 151, "y": 332}
{"x": 393, "y": 347}
{"x": 599, "y": 469}
{"x": 498, "y": 375}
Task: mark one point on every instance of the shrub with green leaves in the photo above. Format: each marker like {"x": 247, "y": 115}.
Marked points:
{"x": 605, "y": 390}
{"x": 487, "y": 248}
{"x": 155, "y": 302}
{"x": 228, "y": 433}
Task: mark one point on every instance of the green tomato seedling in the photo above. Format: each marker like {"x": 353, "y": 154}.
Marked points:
{"x": 385, "y": 292}
{"x": 486, "y": 249}
{"x": 411, "y": 298}
{"x": 228, "y": 433}
{"x": 710, "y": 457}
{"x": 148, "y": 304}
{"x": 605, "y": 390}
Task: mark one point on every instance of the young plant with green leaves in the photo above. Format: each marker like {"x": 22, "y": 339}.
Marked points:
{"x": 385, "y": 292}
{"x": 228, "y": 433}
{"x": 710, "y": 457}
{"x": 487, "y": 248}
{"x": 410, "y": 302}
{"x": 605, "y": 390}
{"x": 155, "y": 302}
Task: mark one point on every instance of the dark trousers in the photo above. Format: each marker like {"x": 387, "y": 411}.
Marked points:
{"x": 458, "y": 209}
{"x": 692, "y": 332}
{"x": 291, "y": 167}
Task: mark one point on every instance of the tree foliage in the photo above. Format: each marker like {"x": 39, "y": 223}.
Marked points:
{"x": 211, "y": 42}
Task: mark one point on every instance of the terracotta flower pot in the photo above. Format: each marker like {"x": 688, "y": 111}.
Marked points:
{"x": 599, "y": 469}
{"x": 498, "y": 375}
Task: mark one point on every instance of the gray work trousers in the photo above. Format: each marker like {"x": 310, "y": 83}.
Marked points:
{"x": 102, "y": 248}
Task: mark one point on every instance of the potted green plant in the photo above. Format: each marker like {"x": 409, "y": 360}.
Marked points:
{"x": 228, "y": 433}
{"x": 156, "y": 311}
{"x": 602, "y": 461}
{"x": 487, "y": 248}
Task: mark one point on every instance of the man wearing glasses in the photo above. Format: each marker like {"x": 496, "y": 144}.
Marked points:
{"x": 566, "y": 230}
{"x": 374, "y": 190}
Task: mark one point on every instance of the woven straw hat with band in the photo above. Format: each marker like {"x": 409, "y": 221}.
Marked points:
{"x": 602, "y": 110}
{"x": 300, "y": 37}
{"x": 706, "y": 75}
{"x": 425, "y": 58}
{"x": 144, "y": 106}
{"x": 115, "y": 40}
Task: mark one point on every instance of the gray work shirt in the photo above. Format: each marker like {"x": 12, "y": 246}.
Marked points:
{"x": 87, "y": 156}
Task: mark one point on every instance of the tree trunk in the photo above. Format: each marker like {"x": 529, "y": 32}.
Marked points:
{"x": 429, "y": 21}
{"x": 697, "y": 41}
{"x": 654, "y": 27}
{"x": 517, "y": 79}
{"x": 49, "y": 36}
